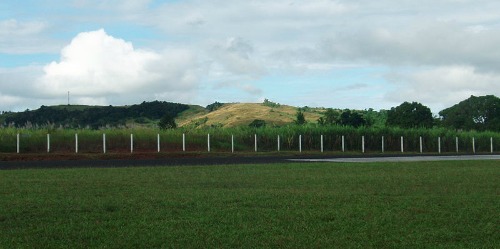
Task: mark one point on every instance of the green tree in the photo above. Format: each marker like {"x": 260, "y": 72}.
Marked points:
{"x": 214, "y": 106}
{"x": 475, "y": 113}
{"x": 301, "y": 120}
{"x": 167, "y": 122}
{"x": 331, "y": 116}
{"x": 410, "y": 115}
{"x": 350, "y": 118}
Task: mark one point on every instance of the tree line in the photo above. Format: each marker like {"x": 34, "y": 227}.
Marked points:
{"x": 475, "y": 113}
{"x": 94, "y": 117}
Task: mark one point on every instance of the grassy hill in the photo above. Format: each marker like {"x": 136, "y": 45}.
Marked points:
{"x": 149, "y": 114}
{"x": 242, "y": 114}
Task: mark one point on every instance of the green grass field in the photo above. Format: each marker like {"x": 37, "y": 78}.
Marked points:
{"x": 312, "y": 205}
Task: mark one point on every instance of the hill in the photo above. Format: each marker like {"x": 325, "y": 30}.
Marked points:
{"x": 242, "y": 114}
{"x": 93, "y": 116}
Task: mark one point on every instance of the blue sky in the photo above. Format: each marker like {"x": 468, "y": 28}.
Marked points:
{"x": 343, "y": 54}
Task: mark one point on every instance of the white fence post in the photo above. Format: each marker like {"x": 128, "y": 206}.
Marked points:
{"x": 421, "y": 145}
{"x": 232, "y": 143}
{"x": 402, "y": 145}
{"x": 383, "y": 144}
{"x": 300, "y": 143}
{"x": 17, "y": 144}
{"x": 255, "y": 142}
{"x": 474, "y": 145}
{"x": 76, "y": 143}
{"x": 491, "y": 144}
{"x": 363, "y": 144}
{"x": 48, "y": 143}
{"x": 343, "y": 144}
{"x": 439, "y": 145}
{"x": 278, "y": 143}
{"x": 183, "y": 142}
{"x": 208, "y": 142}
{"x": 321, "y": 143}
{"x": 104, "y": 143}
{"x": 131, "y": 143}
{"x": 158, "y": 141}
{"x": 456, "y": 143}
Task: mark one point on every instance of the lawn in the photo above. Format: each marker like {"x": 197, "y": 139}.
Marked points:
{"x": 381, "y": 205}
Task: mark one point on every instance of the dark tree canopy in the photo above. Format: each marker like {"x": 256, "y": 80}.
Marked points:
{"x": 349, "y": 118}
{"x": 95, "y": 117}
{"x": 410, "y": 115}
{"x": 214, "y": 106}
{"x": 167, "y": 122}
{"x": 331, "y": 116}
{"x": 475, "y": 113}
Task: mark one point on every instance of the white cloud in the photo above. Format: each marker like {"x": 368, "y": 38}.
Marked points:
{"x": 96, "y": 66}
{"x": 236, "y": 57}
{"x": 247, "y": 88}
{"x": 433, "y": 44}
{"x": 121, "y": 5}
{"x": 24, "y": 37}
{"x": 442, "y": 87}
{"x": 12, "y": 27}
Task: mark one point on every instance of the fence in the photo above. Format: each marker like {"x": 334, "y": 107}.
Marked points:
{"x": 93, "y": 142}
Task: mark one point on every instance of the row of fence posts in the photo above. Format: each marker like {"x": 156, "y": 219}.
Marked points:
{"x": 256, "y": 149}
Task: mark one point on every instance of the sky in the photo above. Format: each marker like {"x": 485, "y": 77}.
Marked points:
{"x": 355, "y": 54}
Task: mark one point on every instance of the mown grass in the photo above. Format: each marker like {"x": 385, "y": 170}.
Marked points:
{"x": 325, "y": 205}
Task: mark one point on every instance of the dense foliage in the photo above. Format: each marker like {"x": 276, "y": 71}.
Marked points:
{"x": 475, "y": 113}
{"x": 410, "y": 115}
{"x": 214, "y": 106}
{"x": 94, "y": 117}
{"x": 167, "y": 122}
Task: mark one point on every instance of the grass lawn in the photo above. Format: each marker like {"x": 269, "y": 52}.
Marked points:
{"x": 380, "y": 205}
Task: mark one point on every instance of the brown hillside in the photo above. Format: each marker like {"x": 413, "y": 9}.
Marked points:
{"x": 242, "y": 114}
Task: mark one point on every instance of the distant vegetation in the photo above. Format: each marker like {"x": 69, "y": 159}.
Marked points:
{"x": 470, "y": 126}
{"x": 213, "y": 107}
{"x": 475, "y": 113}
{"x": 93, "y": 117}
{"x": 270, "y": 103}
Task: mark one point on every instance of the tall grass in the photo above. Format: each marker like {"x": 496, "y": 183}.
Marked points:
{"x": 145, "y": 139}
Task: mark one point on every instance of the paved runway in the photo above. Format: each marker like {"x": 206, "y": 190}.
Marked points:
{"x": 161, "y": 162}
{"x": 402, "y": 159}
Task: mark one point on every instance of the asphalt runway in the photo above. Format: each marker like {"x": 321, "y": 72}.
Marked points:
{"x": 206, "y": 161}
{"x": 403, "y": 159}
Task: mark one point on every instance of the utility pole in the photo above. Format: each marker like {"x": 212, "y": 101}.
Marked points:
{"x": 68, "y": 97}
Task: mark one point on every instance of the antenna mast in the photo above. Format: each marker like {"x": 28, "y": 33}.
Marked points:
{"x": 68, "y": 97}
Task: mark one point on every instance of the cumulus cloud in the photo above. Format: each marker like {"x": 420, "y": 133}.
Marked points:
{"x": 97, "y": 67}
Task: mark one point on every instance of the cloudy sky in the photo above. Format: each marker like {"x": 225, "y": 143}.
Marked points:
{"x": 343, "y": 54}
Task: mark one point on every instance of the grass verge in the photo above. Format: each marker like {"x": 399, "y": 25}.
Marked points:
{"x": 383, "y": 205}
